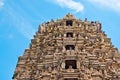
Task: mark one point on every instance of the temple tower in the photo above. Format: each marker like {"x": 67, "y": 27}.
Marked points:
{"x": 69, "y": 49}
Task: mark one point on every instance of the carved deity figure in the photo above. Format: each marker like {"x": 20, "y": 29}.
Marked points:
{"x": 78, "y": 64}
{"x": 80, "y": 37}
{"x": 49, "y": 68}
{"x": 76, "y": 49}
{"x": 63, "y": 50}
{"x": 43, "y": 28}
{"x": 98, "y": 25}
{"x": 86, "y": 21}
{"x": 80, "y": 25}
{"x": 63, "y": 65}
{"x": 114, "y": 67}
{"x": 57, "y": 54}
{"x": 70, "y": 69}
{"x": 70, "y": 51}
{"x": 64, "y": 35}
{"x": 105, "y": 73}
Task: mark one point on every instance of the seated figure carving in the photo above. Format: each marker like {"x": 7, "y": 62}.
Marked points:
{"x": 70, "y": 69}
{"x": 70, "y": 51}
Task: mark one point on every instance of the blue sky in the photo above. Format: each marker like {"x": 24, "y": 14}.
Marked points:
{"x": 19, "y": 20}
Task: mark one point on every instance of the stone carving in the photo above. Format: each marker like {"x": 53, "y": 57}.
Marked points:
{"x": 48, "y": 58}
{"x": 70, "y": 69}
{"x": 57, "y": 54}
{"x": 70, "y": 52}
{"x": 43, "y": 28}
{"x": 78, "y": 64}
{"x": 50, "y": 69}
{"x": 98, "y": 25}
{"x": 63, "y": 65}
{"x": 63, "y": 50}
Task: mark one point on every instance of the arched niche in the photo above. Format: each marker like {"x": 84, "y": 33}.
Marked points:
{"x": 70, "y": 47}
{"x": 69, "y": 23}
{"x": 70, "y": 63}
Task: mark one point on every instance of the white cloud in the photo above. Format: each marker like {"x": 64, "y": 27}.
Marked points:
{"x": 1, "y": 3}
{"x": 111, "y": 4}
{"x": 71, "y": 4}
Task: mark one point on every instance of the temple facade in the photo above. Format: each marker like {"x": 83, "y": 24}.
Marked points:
{"x": 69, "y": 49}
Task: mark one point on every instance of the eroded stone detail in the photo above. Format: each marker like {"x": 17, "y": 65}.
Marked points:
{"x": 69, "y": 49}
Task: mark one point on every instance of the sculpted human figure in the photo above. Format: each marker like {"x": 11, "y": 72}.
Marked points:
{"x": 63, "y": 50}
{"x": 56, "y": 54}
{"x": 105, "y": 73}
{"x": 70, "y": 51}
{"x": 86, "y": 21}
{"x": 98, "y": 25}
{"x": 56, "y": 51}
{"x": 56, "y": 29}
{"x": 43, "y": 28}
{"x": 82, "y": 68}
{"x": 60, "y": 35}
{"x": 63, "y": 65}
{"x": 50, "y": 69}
{"x": 64, "y": 35}
{"x": 80, "y": 37}
{"x": 76, "y": 49}
{"x": 78, "y": 64}
{"x": 86, "y": 24}
{"x": 80, "y": 25}
{"x": 70, "y": 69}
{"x": 114, "y": 67}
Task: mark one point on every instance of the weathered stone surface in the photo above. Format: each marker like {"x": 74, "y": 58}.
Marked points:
{"x": 69, "y": 49}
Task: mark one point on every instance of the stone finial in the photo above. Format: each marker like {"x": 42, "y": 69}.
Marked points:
{"x": 69, "y": 16}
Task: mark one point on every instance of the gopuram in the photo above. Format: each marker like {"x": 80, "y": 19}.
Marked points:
{"x": 69, "y": 49}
